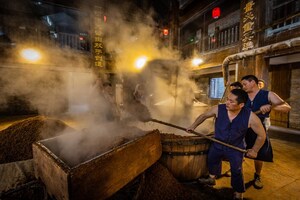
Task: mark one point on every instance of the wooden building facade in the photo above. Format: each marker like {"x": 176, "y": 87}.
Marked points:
{"x": 244, "y": 37}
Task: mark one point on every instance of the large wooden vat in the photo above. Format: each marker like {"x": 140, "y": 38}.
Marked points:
{"x": 185, "y": 156}
{"x": 99, "y": 177}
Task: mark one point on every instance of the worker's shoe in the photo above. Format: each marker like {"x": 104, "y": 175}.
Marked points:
{"x": 207, "y": 181}
{"x": 257, "y": 182}
{"x": 238, "y": 196}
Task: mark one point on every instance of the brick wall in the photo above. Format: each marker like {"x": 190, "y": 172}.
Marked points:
{"x": 294, "y": 100}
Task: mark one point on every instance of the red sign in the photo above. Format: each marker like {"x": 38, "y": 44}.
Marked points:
{"x": 216, "y": 12}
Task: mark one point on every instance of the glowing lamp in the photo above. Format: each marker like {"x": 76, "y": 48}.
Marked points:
{"x": 140, "y": 62}
{"x": 165, "y": 31}
{"x": 31, "y": 55}
{"x": 197, "y": 62}
{"x": 216, "y": 12}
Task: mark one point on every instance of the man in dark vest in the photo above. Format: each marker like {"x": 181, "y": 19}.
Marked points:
{"x": 261, "y": 102}
{"x": 232, "y": 122}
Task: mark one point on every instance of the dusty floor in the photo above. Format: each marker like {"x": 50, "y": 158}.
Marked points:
{"x": 281, "y": 178}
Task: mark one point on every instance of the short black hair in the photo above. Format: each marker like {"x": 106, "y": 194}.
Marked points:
{"x": 242, "y": 96}
{"x": 237, "y": 84}
{"x": 250, "y": 78}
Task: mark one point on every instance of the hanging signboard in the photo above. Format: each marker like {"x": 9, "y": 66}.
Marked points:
{"x": 248, "y": 26}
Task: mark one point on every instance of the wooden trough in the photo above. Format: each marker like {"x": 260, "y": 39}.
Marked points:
{"x": 99, "y": 177}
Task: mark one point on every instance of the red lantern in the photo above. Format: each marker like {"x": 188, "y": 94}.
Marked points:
{"x": 216, "y": 12}
{"x": 165, "y": 31}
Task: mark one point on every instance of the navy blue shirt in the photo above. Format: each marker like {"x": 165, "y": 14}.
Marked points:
{"x": 259, "y": 100}
{"x": 231, "y": 132}
{"x": 266, "y": 152}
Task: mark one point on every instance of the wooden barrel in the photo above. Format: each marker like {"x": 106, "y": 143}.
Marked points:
{"x": 185, "y": 156}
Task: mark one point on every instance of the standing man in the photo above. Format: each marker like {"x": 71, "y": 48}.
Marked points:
{"x": 267, "y": 121}
{"x": 232, "y": 122}
{"x": 261, "y": 102}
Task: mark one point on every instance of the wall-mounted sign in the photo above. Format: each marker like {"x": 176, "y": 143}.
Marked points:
{"x": 97, "y": 39}
{"x": 248, "y": 26}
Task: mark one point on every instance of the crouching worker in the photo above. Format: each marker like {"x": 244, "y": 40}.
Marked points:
{"x": 232, "y": 122}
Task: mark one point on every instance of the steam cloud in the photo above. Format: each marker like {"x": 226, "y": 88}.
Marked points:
{"x": 50, "y": 89}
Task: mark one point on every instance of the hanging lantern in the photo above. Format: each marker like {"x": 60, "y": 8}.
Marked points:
{"x": 165, "y": 31}
{"x": 216, "y": 12}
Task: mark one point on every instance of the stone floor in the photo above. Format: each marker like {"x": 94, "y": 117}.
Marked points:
{"x": 281, "y": 178}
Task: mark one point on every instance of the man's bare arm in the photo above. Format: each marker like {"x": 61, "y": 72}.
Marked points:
{"x": 257, "y": 127}
{"x": 212, "y": 112}
{"x": 276, "y": 103}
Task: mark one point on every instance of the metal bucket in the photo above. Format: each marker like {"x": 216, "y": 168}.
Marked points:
{"x": 185, "y": 156}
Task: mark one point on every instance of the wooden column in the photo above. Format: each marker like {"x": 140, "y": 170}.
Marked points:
{"x": 261, "y": 68}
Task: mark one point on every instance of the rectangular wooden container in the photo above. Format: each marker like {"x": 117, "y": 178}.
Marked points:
{"x": 99, "y": 177}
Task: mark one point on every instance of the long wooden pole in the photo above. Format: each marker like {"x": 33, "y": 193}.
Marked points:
{"x": 200, "y": 134}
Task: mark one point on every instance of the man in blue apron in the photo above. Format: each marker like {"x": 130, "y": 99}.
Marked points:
{"x": 232, "y": 122}
{"x": 261, "y": 102}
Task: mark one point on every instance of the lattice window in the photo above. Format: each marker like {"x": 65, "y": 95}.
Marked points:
{"x": 284, "y": 15}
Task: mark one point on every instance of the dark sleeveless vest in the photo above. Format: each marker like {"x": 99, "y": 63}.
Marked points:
{"x": 266, "y": 152}
{"x": 231, "y": 132}
{"x": 260, "y": 99}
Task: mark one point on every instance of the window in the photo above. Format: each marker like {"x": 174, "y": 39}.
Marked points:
{"x": 284, "y": 15}
{"x": 216, "y": 88}
{"x": 282, "y": 9}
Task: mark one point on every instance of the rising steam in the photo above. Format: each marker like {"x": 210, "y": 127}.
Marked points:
{"x": 65, "y": 84}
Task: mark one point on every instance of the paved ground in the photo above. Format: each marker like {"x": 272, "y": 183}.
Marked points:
{"x": 281, "y": 178}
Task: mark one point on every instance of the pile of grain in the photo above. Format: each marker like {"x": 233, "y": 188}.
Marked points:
{"x": 157, "y": 183}
{"x": 16, "y": 141}
{"x": 170, "y": 136}
{"x": 161, "y": 184}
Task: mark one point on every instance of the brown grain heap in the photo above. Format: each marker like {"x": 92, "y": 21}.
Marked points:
{"x": 167, "y": 136}
{"x": 161, "y": 184}
{"x": 16, "y": 140}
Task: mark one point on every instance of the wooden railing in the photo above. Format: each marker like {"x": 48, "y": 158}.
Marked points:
{"x": 38, "y": 37}
{"x": 219, "y": 39}
{"x": 223, "y": 37}
{"x": 73, "y": 41}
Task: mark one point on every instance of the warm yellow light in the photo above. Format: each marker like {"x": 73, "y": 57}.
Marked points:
{"x": 197, "y": 61}
{"x": 31, "y": 55}
{"x": 140, "y": 62}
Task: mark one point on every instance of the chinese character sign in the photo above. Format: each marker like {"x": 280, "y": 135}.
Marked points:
{"x": 248, "y": 26}
{"x": 97, "y": 38}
